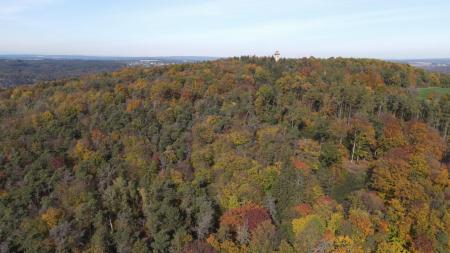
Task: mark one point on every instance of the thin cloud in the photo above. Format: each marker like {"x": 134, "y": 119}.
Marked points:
{"x": 10, "y": 8}
{"x": 283, "y": 27}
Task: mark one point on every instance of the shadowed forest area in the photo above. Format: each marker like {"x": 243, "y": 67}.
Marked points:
{"x": 15, "y": 72}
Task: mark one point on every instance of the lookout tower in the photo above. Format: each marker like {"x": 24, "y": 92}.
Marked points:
{"x": 277, "y": 56}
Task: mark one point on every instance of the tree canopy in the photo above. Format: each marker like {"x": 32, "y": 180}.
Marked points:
{"x": 235, "y": 155}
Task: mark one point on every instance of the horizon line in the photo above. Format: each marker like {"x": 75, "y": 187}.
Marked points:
{"x": 207, "y": 56}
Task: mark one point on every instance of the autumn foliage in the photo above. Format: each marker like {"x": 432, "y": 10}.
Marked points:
{"x": 250, "y": 215}
{"x": 235, "y": 155}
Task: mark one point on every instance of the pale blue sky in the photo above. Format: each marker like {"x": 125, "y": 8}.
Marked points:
{"x": 322, "y": 28}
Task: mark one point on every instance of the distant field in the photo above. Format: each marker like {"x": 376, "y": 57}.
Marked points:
{"x": 425, "y": 92}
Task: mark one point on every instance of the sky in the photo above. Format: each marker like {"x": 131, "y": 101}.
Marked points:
{"x": 388, "y": 29}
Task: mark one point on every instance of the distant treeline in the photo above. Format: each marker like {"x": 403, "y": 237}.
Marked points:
{"x": 441, "y": 69}
{"x": 433, "y": 65}
{"x": 21, "y": 72}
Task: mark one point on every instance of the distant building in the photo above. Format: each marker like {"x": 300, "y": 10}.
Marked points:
{"x": 277, "y": 56}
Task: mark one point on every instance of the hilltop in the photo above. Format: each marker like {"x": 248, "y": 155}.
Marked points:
{"x": 233, "y": 155}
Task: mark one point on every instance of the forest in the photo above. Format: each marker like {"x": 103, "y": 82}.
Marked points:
{"x": 18, "y": 71}
{"x": 234, "y": 155}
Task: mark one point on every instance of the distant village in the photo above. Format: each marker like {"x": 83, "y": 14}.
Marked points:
{"x": 165, "y": 61}
{"x": 148, "y": 63}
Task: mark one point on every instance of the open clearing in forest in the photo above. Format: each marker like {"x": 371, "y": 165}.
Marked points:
{"x": 425, "y": 92}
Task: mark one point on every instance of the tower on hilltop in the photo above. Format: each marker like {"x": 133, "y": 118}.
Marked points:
{"x": 277, "y": 56}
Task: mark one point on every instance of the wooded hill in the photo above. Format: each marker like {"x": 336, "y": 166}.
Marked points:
{"x": 236, "y": 155}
